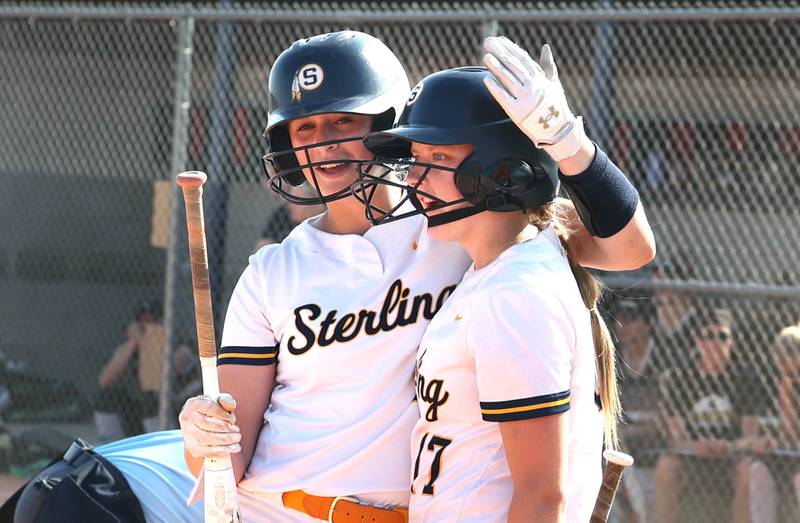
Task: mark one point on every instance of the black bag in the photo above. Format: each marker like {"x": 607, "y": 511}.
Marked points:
{"x": 82, "y": 486}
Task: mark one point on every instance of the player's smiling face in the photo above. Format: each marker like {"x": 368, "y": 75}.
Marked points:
{"x": 333, "y": 176}
{"x": 439, "y": 183}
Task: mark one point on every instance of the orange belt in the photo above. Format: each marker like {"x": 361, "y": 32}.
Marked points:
{"x": 342, "y": 509}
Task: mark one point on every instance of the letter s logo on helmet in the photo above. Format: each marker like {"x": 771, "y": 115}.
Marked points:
{"x": 341, "y": 72}
{"x": 307, "y": 78}
{"x": 414, "y": 93}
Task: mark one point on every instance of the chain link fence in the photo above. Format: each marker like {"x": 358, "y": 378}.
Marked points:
{"x": 103, "y": 103}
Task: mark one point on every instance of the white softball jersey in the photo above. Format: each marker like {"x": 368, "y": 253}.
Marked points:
{"x": 342, "y": 316}
{"x": 514, "y": 341}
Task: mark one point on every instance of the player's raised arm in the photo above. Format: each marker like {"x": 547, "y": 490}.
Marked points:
{"x": 630, "y": 248}
{"x": 611, "y": 228}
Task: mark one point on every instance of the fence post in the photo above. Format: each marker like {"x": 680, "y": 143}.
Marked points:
{"x": 602, "y": 101}
{"x": 180, "y": 138}
{"x": 219, "y": 158}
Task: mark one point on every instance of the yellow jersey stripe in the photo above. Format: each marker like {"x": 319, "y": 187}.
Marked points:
{"x": 526, "y": 408}
{"x": 244, "y": 355}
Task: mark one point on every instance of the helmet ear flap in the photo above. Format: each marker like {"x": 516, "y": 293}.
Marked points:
{"x": 511, "y": 176}
{"x": 521, "y": 174}
{"x": 468, "y": 181}
{"x": 469, "y": 186}
{"x": 508, "y": 178}
{"x": 507, "y": 181}
{"x": 530, "y": 184}
{"x": 278, "y": 140}
{"x": 512, "y": 185}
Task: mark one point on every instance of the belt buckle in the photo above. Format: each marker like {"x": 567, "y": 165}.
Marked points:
{"x": 336, "y": 500}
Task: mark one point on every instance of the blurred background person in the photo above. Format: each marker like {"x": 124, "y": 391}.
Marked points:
{"x": 787, "y": 359}
{"x": 776, "y": 458}
{"x": 187, "y": 380}
{"x": 711, "y": 409}
{"x": 123, "y": 406}
{"x": 673, "y": 309}
{"x": 641, "y": 434}
{"x": 784, "y": 464}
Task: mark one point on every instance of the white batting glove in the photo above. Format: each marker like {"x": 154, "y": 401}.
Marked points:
{"x": 208, "y": 429}
{"x": 532, "y": 96}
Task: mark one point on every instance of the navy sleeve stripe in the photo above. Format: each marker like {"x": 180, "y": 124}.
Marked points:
{"x": 525, "y": 414}
{"x": 526, "y": 408}
{"x": 246, "y": 361}
{"x": 248, "y": 350}
{"x": 247, "y": 356}
{"x": 524, "y": 402}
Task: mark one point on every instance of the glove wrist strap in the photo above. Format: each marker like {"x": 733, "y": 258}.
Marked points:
{"x": 568, "y": 143}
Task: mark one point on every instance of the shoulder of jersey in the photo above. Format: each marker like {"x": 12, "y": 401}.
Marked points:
{"x": 536, "y": 266}
{"x": 267, "y": 254}
{"x": 535, "y": 256}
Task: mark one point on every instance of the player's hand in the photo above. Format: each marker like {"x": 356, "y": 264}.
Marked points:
{"x": 209, "y": 427}
{"x": 532, "y": 96}
{"x": 135, "y": 332}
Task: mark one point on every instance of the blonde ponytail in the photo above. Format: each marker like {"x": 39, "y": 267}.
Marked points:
{"x": 591, "y": 291}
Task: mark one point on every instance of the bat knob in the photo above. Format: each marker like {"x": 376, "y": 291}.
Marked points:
{"x": 191, "y": 179}
{"x": 618, "y": 458}
{"x": 227, "y": 402}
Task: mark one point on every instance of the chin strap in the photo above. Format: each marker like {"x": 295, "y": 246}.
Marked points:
{"x": 493, "y": 202}
{"x": 457, "y": 214}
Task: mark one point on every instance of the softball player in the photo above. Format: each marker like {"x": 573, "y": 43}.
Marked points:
{"x": 338, "y": 306}
{"x": 321, "y": 332}
{"x": 506, "y": 372}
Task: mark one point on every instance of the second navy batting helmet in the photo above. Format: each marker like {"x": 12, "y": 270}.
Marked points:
{"x": 505, "y": 171}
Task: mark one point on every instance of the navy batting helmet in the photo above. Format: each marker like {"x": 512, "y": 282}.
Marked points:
{"x": 342, "y": 72}
{"x": 505, "y": 171}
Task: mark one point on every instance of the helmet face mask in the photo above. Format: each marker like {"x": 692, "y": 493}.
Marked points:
{"x": 344, "y": 72}
{"x": 369, "y": 183}
{"x": 499, "y": 192}
{"x": 505, "y": 172}
{"x": 285, "y": 174}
